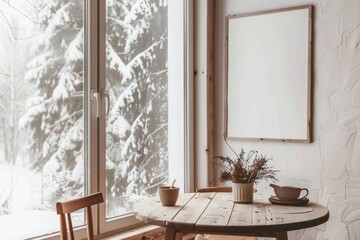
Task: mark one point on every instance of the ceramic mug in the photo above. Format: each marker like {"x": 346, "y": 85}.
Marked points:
{"x": 288, "y": 192}
{"x": 168, "y": 196}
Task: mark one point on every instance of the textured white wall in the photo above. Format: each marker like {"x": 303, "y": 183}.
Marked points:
{"x": 330, "y": 166}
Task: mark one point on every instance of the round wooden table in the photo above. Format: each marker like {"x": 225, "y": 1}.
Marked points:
{"x": 213, "y": 213}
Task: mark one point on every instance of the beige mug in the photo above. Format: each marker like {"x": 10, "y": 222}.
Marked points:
{"x": 168, "y": 195}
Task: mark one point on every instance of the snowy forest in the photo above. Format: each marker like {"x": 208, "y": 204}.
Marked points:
{"x": 137, "y": 154}
{"x": 42, "y": 75}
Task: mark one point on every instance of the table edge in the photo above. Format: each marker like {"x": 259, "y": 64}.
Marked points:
{"x": 193, "y": 227}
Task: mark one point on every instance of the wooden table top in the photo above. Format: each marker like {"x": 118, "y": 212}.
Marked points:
{"x": 213, "y": 213}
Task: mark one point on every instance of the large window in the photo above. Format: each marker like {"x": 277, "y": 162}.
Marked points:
{"x": 41, "y": 113}
{"x": 54, "y": 106}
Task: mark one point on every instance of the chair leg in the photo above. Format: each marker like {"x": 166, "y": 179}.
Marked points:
{"x": 281, "y": 236}
{"x": 170, "y": 233}
{"x": 179, "y": 236}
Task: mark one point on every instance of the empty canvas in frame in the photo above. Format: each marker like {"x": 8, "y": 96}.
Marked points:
{"x": 268, "y": 75}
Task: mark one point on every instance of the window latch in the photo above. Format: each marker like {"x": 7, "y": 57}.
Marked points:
{"x": 105, "y": 93}
{"x": 96, "y": 96}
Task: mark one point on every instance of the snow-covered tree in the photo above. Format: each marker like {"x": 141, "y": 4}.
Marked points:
{"x": 17, "y": 29}
{"x": 54, "y": 114}
{"x": 137, "y": 150}
{"x": 137, "y": 82}
{"x": 13, "y": 91}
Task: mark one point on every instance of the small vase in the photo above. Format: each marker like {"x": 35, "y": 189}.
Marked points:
{"x": 243, "y": 192}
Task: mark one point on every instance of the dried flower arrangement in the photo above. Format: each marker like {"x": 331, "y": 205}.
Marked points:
{"x": 243, "y": 170}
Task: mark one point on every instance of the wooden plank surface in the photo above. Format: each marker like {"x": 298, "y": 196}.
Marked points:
{"x": 218, "y": 211}
{"x": 259, "y": 214}
{"x": 192, "y": 211}
{"x": 162, "y": 214}
{"x": 241, "y": 215}
{"x": 296, "y": 219}
{"x": 143, "y": 209}
{"x": 211, "y": 212}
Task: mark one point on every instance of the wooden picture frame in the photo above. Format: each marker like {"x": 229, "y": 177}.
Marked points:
{"x": 268, "y": 71}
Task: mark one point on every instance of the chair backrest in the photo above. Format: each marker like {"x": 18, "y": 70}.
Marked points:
{"x": 215, "y": 189}
{"x": 65, "y": 208}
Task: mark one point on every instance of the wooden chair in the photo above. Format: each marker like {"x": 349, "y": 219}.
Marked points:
{"x": 215, "y": 189}
{"x": 219, "y": 237}
{"x": 66, "y": 208}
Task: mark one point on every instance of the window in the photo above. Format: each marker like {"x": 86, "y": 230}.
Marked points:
{"x": 42, "y": 113}
{"x": 137, "y": 83}
{"x": 80, "y": 115}
{"x": 144, "y": 131}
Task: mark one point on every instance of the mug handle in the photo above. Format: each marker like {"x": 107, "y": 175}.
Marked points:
{"x": 307, "y": 193}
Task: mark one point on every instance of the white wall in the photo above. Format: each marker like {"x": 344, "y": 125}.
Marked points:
{"x": 330, "y": 166}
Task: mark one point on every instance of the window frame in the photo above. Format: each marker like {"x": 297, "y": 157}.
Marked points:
{"x": 95, "y": 68}
{"x": 128, "y": 221}
{"x": 91, "y": 77}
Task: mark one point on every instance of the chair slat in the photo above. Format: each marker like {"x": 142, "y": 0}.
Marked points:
{"x": 76, "y": 204}
{"x": 215, "y": 189}
{"x": 90, "y": 228}
{"x": 63, "y": 227}
{"x": 70, "y": 227}
{"x": 68, "y": 207}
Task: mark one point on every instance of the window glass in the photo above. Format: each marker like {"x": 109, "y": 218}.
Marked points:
{"x": 137, "y": 84}
{"x": 41, "y": 113}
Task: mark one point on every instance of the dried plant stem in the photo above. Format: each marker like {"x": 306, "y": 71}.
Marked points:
{"x": 231, "y": 148}
{"x": 243, "y": 170}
